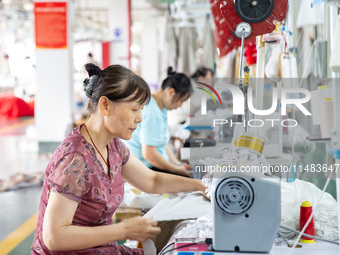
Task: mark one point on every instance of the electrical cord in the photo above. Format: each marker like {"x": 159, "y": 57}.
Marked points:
{"x": 190, "y": 244}
{"x": 207, "y": 241}
{"x": 165, "y": 247}
{"x": 310, "y": 236}
{"x": 284, "y": 239}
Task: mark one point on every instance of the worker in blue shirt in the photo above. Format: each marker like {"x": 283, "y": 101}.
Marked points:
{"x": 150, "y": 141}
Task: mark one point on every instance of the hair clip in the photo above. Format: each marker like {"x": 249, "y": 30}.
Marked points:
{"x": 88, "y": 85}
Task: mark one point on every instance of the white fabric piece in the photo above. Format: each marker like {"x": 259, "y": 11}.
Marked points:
{"x": 179, "y": 115}
{"x": 272, "y": 69}
{"x": 149, "y": 247}
{"x": 200, "y": 228}
{"x": 180, "y": 206}
{"x": 207, "y": 181}
{"x": 308, "y": 15}
{"x": 179, "y": 131}
{"x": 171, "y": 47}
{"x": 131, "y": 243}
{"x": 137, "y": 199}
{"x": 187, "y": 47}
{"x": 208, "y": 45}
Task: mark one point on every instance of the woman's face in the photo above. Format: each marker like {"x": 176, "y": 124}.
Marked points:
{"x": 123, "y": 118}
{"x": 172, "y": 101}
{"x": 207, "y": 78}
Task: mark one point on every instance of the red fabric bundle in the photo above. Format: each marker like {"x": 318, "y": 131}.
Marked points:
{"x": 14, "y": 107}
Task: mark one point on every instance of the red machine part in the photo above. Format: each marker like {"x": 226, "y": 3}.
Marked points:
{"x": 261, "y": 19}
{"x": 225, "y": 40}
{"x": 250, "y": 53}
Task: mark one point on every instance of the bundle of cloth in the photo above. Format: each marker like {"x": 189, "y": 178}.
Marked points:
{"x": 14, "y": 107}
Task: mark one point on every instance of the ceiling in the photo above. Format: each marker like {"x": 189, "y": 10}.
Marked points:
{"x": 16, "y": 16}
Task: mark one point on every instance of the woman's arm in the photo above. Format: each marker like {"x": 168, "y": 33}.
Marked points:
{"x": 172, "y": 158}
{"x": 151, "y": 154}
{"x": 141, "y": 177}
{"x": 60, "y": 235}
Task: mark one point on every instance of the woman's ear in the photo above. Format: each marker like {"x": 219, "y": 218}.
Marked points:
{"x": 103, "y": 105}
{"x": 170, "y": 92}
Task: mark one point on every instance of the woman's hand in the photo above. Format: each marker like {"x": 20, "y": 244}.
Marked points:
{"x": 140, "y": 229}
{"x": 187, "y": 166}
{"x": 182, "y": 169}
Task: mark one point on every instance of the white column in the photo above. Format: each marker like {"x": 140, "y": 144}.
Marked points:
{"x": 120, "y": 37}
{"x": 149, "y": 49}
{"x": 54, "y": 66}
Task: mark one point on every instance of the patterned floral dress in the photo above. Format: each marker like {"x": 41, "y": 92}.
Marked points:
{"x": 75, "y": 172}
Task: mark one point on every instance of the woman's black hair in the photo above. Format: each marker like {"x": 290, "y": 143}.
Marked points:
{"x": 201, "y": 71}
{"x": 179, "y": 82}
{"x": 115, "y": 82}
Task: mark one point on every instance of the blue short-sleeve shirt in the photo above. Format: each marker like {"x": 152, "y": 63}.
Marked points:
{"x": 152, "y": 131}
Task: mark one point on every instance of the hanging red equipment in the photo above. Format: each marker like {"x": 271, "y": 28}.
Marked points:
{"x": 259, "y": 14}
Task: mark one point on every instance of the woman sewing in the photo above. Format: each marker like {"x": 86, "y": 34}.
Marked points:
{"x": 83, "y": 183}
{"x": 150, "y": 142}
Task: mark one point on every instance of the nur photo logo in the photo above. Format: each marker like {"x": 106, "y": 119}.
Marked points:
{"x": 213, "y": 90}
{"x": 280, "y": 99}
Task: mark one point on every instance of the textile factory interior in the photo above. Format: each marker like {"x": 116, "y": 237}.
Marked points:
{"x": 169, "y": 127}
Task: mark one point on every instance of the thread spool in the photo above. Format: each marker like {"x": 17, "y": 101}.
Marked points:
{"x": 305, "y": 212}
{"x": 253, "y": 142}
